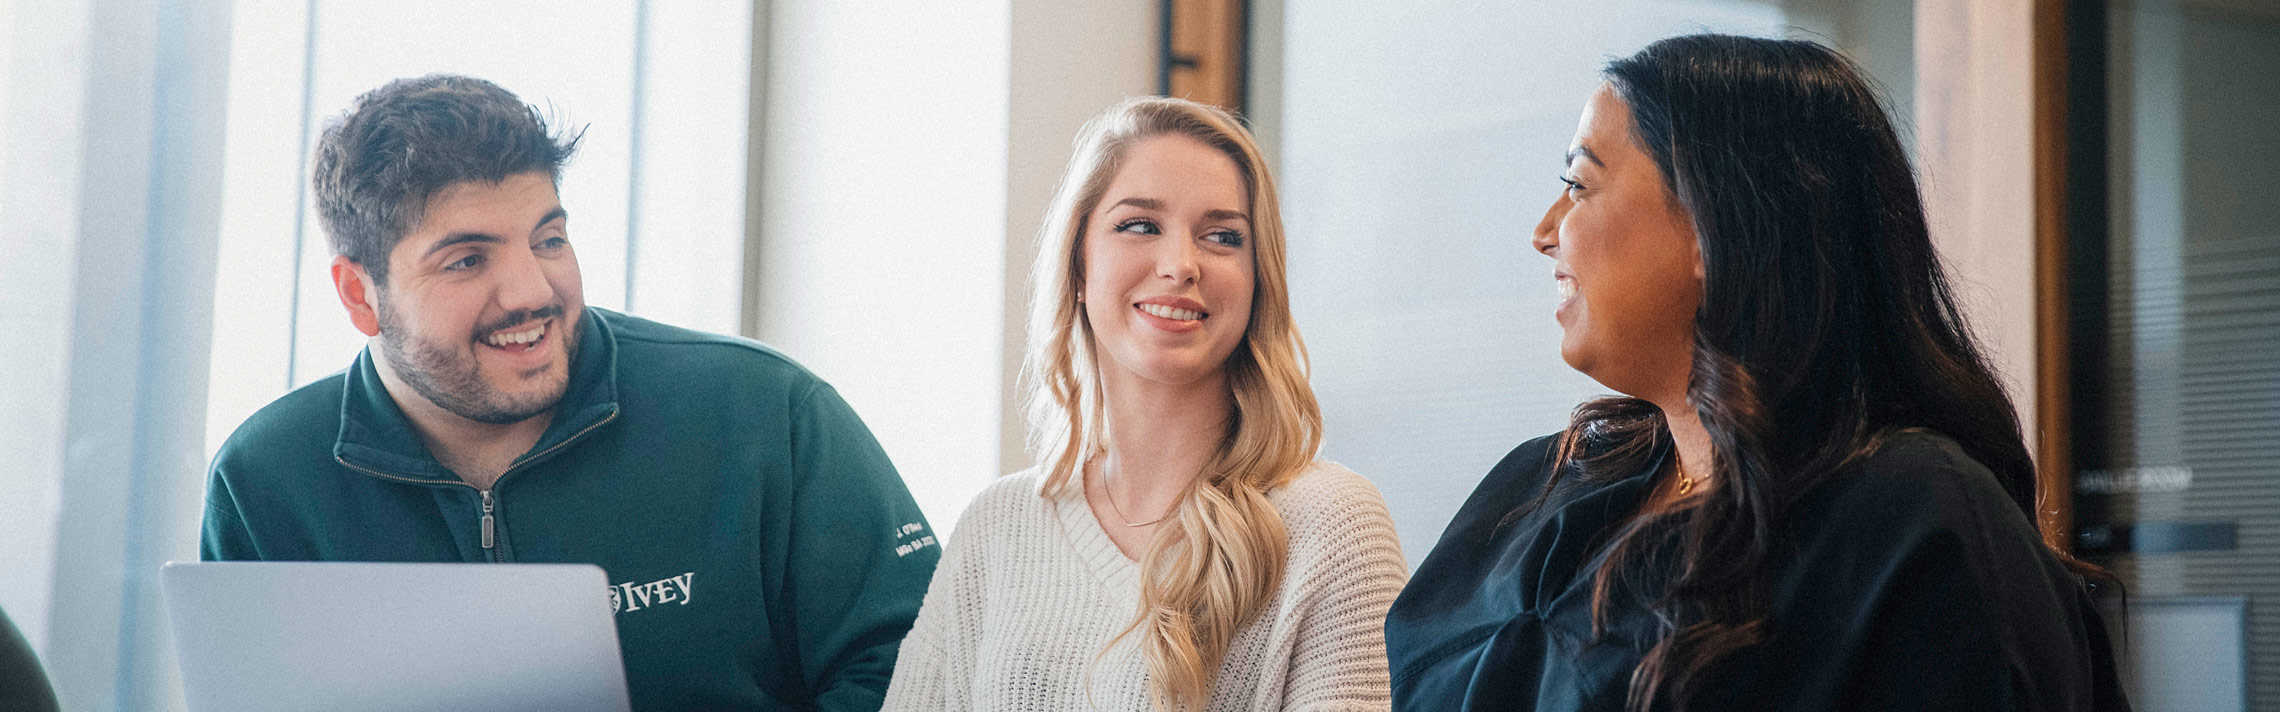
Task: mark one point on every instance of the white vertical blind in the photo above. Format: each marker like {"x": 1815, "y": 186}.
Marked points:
{"x": 689, "y": 246}
{"x": 113, "y": 143}
{"x": 39, "y": 161}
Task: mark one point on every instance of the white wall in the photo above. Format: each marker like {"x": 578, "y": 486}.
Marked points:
{"x": 882, "y": 223}
{"x": 1975, "y": 149}
{"x": 1061, "y": 78}
{"x": 9, "y": 26}
{"x": 908, "y": 155}
{"x": 688, "y": 211}
{"x": 264, "y": 180}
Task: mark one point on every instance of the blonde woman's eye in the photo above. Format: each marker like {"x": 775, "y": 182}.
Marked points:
{"x": 1229, "y": 238}
{"x": 1139, "y": 226}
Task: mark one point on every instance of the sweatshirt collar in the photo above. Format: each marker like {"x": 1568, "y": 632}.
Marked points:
{"x": 377, "y": 438}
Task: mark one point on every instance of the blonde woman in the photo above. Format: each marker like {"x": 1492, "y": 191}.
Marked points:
{"x": 1178, "y": 547}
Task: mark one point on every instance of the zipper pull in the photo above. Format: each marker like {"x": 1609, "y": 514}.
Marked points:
{"x": 489, "y": 538}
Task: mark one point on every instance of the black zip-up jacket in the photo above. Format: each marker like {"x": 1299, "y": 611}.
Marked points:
{"x": 1905, "y": 581}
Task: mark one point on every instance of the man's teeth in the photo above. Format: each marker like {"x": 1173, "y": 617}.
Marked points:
{"x": 1171, "y": 312}
{"x": 512, "y": 338}
{"x": 1567, "y": 288}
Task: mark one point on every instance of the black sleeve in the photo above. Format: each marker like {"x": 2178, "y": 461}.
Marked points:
{"x": 23, "y": 685}
{"x": 1929, "y": 637}
{"x": 1914, "y": 584}
{"x": 1860, "y": 626}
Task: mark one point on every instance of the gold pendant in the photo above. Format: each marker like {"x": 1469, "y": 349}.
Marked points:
{"x": 1685, "y": 485}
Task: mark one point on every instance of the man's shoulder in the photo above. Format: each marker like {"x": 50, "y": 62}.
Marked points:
{"x": 648, "y": 348}
{"x": 291, "y": 432}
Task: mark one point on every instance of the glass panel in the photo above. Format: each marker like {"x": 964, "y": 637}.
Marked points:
{"x": 2178, "y": 313}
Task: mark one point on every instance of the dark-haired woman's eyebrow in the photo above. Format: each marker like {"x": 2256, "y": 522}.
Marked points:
{"x": 1584, "y": 152}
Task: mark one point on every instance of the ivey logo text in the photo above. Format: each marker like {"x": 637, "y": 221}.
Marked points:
{"x": 629, "y": 596}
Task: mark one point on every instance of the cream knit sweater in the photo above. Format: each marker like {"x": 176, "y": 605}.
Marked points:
{"x": 1031, "y": 590}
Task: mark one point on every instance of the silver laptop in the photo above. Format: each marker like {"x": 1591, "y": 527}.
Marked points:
{"x": 346, "y": 637}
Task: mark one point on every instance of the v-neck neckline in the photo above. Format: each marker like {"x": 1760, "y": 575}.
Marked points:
{"x": 1118, "y": 574}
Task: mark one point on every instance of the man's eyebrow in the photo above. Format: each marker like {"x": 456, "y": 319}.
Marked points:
{"x": 1583, "y": 152}
{"x": 557, "y": 214}
{"x": 459, "y": 238}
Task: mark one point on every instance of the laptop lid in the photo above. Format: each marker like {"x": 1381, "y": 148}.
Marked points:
{"x": 346, "y": 637}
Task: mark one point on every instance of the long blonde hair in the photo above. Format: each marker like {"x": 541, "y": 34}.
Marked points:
{"x": 1214, "y": 565}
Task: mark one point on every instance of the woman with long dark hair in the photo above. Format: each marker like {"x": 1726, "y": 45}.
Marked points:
{"x": 1813, "y": 494}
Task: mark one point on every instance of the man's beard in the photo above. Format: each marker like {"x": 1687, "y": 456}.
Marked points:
{"x": 450, "y": 379}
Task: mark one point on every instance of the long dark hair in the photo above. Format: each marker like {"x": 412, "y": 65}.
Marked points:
{"x": 1826, "y": 325}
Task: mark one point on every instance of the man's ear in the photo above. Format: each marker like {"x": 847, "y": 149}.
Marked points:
{"x": 358, "y": 294}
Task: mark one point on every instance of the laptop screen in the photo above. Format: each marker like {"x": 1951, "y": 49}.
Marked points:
{"x": 342, "y": 637}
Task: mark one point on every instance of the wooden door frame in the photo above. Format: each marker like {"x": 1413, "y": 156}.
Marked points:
{"x": 1993, "y": 132}
{"x": 1205, "y": 51}
{"x": 2054, "y": 456}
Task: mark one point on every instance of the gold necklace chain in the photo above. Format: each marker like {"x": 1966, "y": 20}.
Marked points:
{"x": 1110, "y": 492}
{"x": 1685, "y": 482}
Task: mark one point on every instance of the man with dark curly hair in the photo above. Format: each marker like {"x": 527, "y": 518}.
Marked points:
{"x": 494, "y": 417}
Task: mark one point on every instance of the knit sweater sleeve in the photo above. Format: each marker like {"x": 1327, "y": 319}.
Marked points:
{"x": 1348, "y": 568}
{"x": 934, "y": 669}
{"x": 923, "y": 678}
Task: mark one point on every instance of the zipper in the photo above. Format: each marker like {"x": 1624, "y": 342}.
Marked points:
{"x": 541, "y": 455}
{"x": 490, "y": 523}
{"x": 490, "y": 538}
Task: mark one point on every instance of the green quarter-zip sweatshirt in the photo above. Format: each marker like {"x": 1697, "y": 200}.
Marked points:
{"x": 762, "y": 553}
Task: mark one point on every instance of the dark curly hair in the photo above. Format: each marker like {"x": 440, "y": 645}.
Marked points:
{"x": 378, "y": 163}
